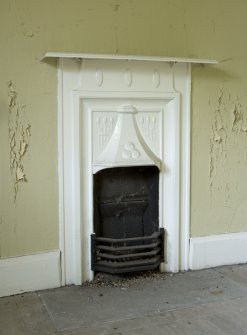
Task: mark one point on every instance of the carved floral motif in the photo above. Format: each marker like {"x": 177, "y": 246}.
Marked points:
{"x": 105, "y": 128}
{"x": 149, "y": 128}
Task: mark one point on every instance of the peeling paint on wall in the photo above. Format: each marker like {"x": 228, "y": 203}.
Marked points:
{"x": 227, "y": 140}
{"x": 19, "y": 137}
{"x": 237, "y": 116}
{"x": 218, "y": 134}
{"x": 229, "y": 122}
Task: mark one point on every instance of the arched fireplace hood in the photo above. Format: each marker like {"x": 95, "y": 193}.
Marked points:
{"x": 126, "y": 146}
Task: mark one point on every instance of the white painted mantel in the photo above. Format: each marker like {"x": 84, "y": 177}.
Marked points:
{"x": 121, "y": 111}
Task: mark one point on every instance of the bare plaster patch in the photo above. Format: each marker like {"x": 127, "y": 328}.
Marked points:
{"x": 19, "y": 137}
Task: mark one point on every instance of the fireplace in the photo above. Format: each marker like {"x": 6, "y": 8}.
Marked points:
{"x": 126, "y": 235}
{"x": 125, "y": 118}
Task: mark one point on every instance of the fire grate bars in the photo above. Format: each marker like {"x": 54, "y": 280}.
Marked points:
{"x": 127, "y": 254}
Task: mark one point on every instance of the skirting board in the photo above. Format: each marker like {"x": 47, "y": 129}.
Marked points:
{"x": 217, "y": 250}
{"x": 29, "y": 273}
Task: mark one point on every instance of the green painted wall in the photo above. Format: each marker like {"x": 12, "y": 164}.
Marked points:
{"x": 28, "y": 105}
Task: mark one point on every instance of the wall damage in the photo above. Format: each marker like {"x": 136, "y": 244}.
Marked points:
{"x": 237, "y": 116}
{"x": 228, "y": 137}
{"x": 228, "y": 124}
{"x": 19, "y": 138}
{"x": 218, "y": 133}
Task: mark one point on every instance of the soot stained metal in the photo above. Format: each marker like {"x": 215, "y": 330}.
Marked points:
{"x": 126, "y": 220}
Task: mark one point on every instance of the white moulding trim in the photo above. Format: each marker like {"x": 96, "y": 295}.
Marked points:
{"x": 51, "y": 54}
{"x": 29, "y": 273}
{"x": 217, "y": 250}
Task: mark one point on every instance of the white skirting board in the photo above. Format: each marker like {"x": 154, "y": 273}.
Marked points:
{"x": 29, "y": 273}
{"x": 217, "y": 250}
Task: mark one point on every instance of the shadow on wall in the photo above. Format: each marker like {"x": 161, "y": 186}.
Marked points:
{"x": 215, "y": 74}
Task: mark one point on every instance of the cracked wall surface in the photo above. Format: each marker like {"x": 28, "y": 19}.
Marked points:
{"x": 180, "y": 28}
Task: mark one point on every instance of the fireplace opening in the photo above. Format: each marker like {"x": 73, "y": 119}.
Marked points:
{"x": 126, "y": 235}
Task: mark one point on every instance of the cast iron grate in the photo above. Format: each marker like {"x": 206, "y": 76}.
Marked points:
{"x": 127, "y": 254}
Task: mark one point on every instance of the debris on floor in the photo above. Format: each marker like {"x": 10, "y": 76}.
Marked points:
{"x": 125, "y": 280}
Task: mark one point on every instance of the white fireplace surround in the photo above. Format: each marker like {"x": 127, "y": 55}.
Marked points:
{"x": 122, "y": 111}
